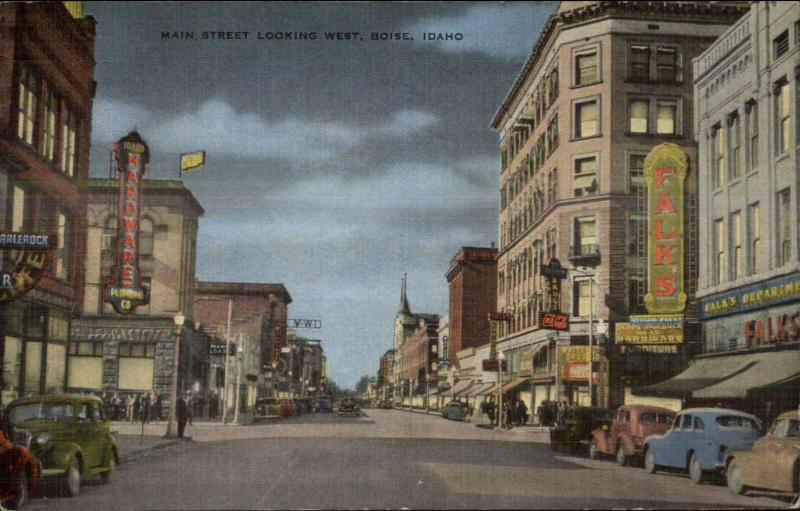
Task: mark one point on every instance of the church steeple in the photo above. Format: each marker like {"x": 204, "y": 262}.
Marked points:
{"x": 405, "y": 308}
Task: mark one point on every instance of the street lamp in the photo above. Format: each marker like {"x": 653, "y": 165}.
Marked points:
{"x": 178, "y": 319}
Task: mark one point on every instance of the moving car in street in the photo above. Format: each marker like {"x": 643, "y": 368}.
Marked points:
{"x": 267, "y": 409}
{"x": 348, "y": 407}
{"x": 71, "y": 437}
{"x": 772, "y": 464}
{"x": 455, "y": 410}
{"x": 574, "y": 431}
{"x": 699, "y": 440}
{"x": 323, "y": 404}
{"x": 624, "y": 438}
{"x": 19, "y": 470}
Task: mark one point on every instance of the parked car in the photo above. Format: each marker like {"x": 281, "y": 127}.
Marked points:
{"x": 72, "y": 436}
{"x": 624, "y": 438}
{"x": 574, "y": 431}
{"x": 323, "y": 404}
{"x": 455, "y": 410}
{"x": 774, "y": 461}
{"x": 19, "y": 469}
{"x": 387, "y": 405}
{"x": 348, "y": 407}
{"x": 266, "y": 409}
{"x": 699, "y": 440}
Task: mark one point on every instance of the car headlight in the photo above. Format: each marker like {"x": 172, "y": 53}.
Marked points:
{"x": 41, "y": 442}
{"x": 42, "y": 439}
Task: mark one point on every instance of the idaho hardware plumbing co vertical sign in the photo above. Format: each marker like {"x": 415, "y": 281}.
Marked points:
{"x": 124, "y": 291}
{"x": 665, "y": 172}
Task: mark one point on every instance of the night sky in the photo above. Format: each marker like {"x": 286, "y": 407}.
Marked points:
{"x": 334, "y": 166}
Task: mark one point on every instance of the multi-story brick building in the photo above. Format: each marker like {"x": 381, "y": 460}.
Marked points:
{"x": 746, "y": 92}
{"x": 134, "y": 353}
{"x": 46, "y": 95}
{"x": 472, "y": 278}
{"x": 420, "y": 360}
{"x": 257, "y": 313}
{"x": 605, "y": 83}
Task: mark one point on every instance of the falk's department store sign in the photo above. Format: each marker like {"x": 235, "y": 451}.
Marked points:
{"x": 124, "y": 291}
{"x": 763, "y": 294}
{"x": 23, "y": 261}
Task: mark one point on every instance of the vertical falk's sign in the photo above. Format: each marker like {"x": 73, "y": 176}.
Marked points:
{"x": 124, "y": 290}
{"x": 665, "y": 173}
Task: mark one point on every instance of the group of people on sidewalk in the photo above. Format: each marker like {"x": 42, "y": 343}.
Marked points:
{"x": 515, "y": 412}
{"x": 148, "y": 407}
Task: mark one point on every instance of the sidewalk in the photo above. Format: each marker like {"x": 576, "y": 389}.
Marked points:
{"x": 482, "y": 421}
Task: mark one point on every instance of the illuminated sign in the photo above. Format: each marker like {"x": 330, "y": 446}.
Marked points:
{"x": 192, "y": 161}
{"x": 22, "y": 262}
{"x": 124, "y": 291}
{"x": 554, "y": 320}
{"x": 665, "y": 171}
{"x": 763, "y": 294}
{"x": 772, "y": 330}
{"x": 276, "y": 349}
{"x": 573, "y": 362}
{"x": 632, "y": 333}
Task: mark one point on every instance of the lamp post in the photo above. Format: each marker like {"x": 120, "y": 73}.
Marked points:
{"x": 240, "y": 351}
{"x": 172, "y": 425}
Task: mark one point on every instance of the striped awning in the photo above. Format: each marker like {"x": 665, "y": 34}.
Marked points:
{"x": 480, "y": 389}
{"x": 508, "y": 387}
{"x": 461, "y": 386}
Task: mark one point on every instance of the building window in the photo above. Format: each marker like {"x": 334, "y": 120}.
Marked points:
{"x": 636, "y": 171}
{"x": 552, "y": 187}
{"x": 719, "y": 241}
{"x": 62, "y": 252}
{"x": 718, "y": 148}
{"x": 86, "y": 349}
{"x": 637, "y": 115}
{"x": 26, "y": 107}
{"x": 49, "y": 139}
{"x": 666, "y": 116}
{"x": 784, "y": 226}
{"x": 137, "y": 350}
{"x": 668, "y": 64}
{"x": 637, "y": 288}
{"x": 780, "y": 45}
{"x": 637, "y": 235}
{"x": 587, "y": 119}
{"x": 784, "y": 114}
{"x": 754, "y": 237}
{"x": 552, "y": 134}
{"x": 737, "y": 263}
{"x": 735, "y": 147}
{"x": 585, "y": 178}
{"x": 582, "y": 291}
{"x": 639, "y": 63}
{"x": 551, "y": 243}
{"x": 68, "y": 143}
{"x": 752, "y": 135}
{"x": 552, "y": 86}
{"x": 587, "y": 67}
{"x": 585, "y": 236}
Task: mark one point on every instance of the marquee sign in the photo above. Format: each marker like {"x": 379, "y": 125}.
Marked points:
{"x": 23, "y": 260}
{"x": 124, "y": 291}
{"x": 665, "y": 172}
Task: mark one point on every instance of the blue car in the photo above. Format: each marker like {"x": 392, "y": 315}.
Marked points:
{"x": 455, "y": 410}
{"x": 699, "y": 440}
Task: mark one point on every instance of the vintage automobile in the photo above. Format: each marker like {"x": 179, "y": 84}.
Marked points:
{"x": 19, "y": 469}
{"x": 348, "y": 407}
{"x": 624, "y": 438}
{"x": 267, "y": 409}
{"x": 574, "y": 431}
{"x": 699, "y": 439}
{"x": 72, "y": 436}
{"x": 386, "y": 405}
{"x": 773, "y": 463}
{"x": 455, "y": 410}
{"x": 323, "y": 404}
{"x": 287, "y": 406}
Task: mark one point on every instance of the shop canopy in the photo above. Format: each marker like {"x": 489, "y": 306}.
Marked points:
{"x": 771, "y": 368}
{"x": 508, "y": 387}
{"x": 480, "y": 389}
{"x": 461, "y": 386}
{"x": 728, "y": 376}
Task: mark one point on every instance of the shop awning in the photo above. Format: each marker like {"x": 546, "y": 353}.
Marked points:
{"x": 769, "y": 369}
{"x": 508, "y": 387}
{"x": 480, "y": 389}
{"x": 701, "y": 373}
{"x": 461, "y": 386}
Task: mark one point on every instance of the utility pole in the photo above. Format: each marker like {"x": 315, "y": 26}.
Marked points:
{"x": 241, "y": 353}
{"x": 225, "y": 399}
{"x": 591, "y": 340}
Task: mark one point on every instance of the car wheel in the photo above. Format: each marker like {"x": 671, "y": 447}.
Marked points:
{"x": 105, "y": 477}
{"x": 622, "y": 458}
{"x": 650, "y": 466}
{"x": 593, "y": 454}
{"x": 72, "y": 479}
{"x": 21, "y": 492}
{"x": 735, "y": 481}
{"x": 695, "y": 472}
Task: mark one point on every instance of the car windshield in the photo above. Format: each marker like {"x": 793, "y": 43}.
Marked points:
{"x": 660, "y": 418}
{"x": 737, "y": 422}
{"x": 38, "y": 411}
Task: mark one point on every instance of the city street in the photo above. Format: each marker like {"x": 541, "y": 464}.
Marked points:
{"x": 384, "y": 459}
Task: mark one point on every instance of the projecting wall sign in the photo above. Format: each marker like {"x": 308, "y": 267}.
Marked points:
{"x": 23, "y": 260}
{"x": 125, "y": 291}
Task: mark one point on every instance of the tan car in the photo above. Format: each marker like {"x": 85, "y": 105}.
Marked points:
{"x": 774, "y": 461}
{"x": 624, "y": 438}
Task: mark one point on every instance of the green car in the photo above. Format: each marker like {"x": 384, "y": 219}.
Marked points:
{"x": 71, "y": 434}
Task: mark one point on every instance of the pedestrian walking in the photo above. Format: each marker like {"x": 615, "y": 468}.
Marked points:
{"x": 157, "y": 405}
{"x": 137, "y": 407}
{"x": 182, "y": 414}
{"x": 522, "y": 412}
{"x": 144, "y": 408}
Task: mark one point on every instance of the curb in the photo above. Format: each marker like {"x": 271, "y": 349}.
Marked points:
{"x": 140, "y": 453}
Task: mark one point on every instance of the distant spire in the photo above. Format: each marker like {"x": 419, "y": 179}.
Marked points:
{"x": 405, "y": 308}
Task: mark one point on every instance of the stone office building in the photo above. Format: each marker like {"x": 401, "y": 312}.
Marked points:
{"x": 46, "y": 96}
{"x": 605, "y": 83}
{"x": 746, "y": 92}
{"x": 134, "y": 353}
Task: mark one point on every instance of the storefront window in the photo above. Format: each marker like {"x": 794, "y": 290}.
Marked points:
{"x": 33, "y": 367}
{"x": 56, "y": 367}
{"x": 12, "y": 362}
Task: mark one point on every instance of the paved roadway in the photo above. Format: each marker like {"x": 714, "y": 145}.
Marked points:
{"x": 386, "y": 459}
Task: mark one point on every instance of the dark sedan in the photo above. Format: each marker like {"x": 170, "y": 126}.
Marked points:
{"x": 574, "y": 431}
